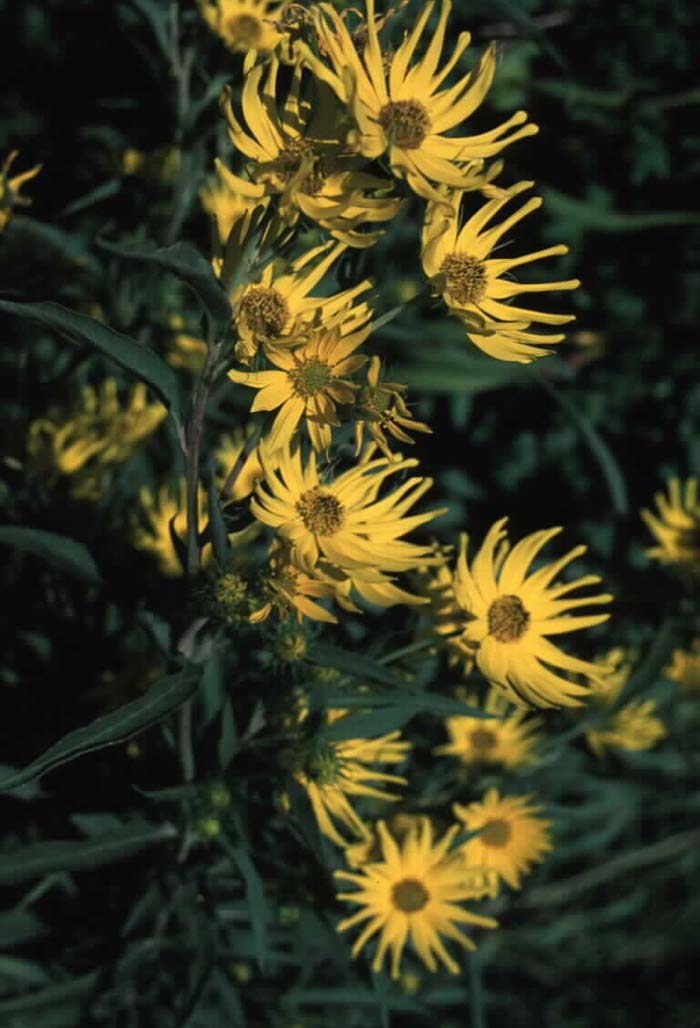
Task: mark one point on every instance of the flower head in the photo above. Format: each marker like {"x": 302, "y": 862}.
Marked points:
{"x": 308, "y": 384}
{"x": 499, "y": 617}
{"x": 509, "y": 738}
{"x": 244, "y": 24}
{"x": 477, "y": 287}
{"x": 343, "y": 524}
{"x": 10, "y": 188}
{"x": 332, "y": 771}
{"x": 677, "y": 526}
{"x": 633, "y": 726}
{"x": 512, "y": 835}
{"x": 685, "y": 668}
{"x": 298, "y": 155}
{"x": 225, "y": 204}
{"x": 288, "y": 589}
{"x": 402, "y": 108}
{"x": 382, "y": 410}
{"x": 413, "y": 892}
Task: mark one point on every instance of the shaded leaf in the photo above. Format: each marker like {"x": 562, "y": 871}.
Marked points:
{"x": 67, "y": 554}
{"x": 161, "y": 700}
{"x": 255, "y": 897}
{"x": 355, "y": 664}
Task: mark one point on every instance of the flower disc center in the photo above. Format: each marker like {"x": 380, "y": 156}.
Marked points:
{"x": 507, "y": 619}
{"x": 310, "y": 377}
{"x": 689, "y": 538}
{"x": 483, "y": 740}
{"x": 410, "y": 895}
{"x": 465, "y": 277}
{"x": 244, "y": 29}
{"x": 265, "y": 310}
{"x": 296, "y": 152}
{"x": 321, "y": 513}
{"x": 406, "y": 123}
{"x": 495, "y": 833}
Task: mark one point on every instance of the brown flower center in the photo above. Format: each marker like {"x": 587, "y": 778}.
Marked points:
{"x": 410, "y": 895}
{"x": 406, "y": 123}
{"x": 310, "y": 376}
{"x": 496, "y": 832}
{"x": 483, "y": 740}
{"x": 321, "y": 513}
{"x": 244, "y": 29}
{"x": 465, "y": 277}
{"x": 265, "y": 310}
{"x": 296, "y": 153}
{"x": 507, "y": 619}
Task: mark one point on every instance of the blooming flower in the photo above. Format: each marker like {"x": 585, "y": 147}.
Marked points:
{"x": 382, "y": 409}
{"x": 400, "y": 108}
{"x": 244, "y": 24}
{"x": 342, "y": 523}
{"x": 413, "y": 892}
{"x": 631, "y": 727}
{"x": 509, "y": 738}
{"x": 288, "y": 589}
{"x": 298, "y": 155}
{"x": 474, "y": 284}
{"x": 224, "y": 203}
{"x": 10, "y": 188}
{"x": 500, "y": 618}
{"x": 677, "y": 526}
{"x": 512, "y": 836}
{"x": 685, "y": 668}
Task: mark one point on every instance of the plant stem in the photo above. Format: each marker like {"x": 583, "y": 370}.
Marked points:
{"x": 476, "y": 992}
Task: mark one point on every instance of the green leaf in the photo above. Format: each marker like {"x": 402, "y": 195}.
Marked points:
{"x": 45, "y": 857}
{"x": 18, "y": 926}
{"x": 370, "y": 725}
{"x": 187, "y": 263}
{"x": 355, "y": 664}
{"x": 255, "y": 897}
{"x": 66, "y": 554}
{"x": 14, "y": 971}
{"x": 127, "y": 353}
{"x": 216, "y": 527}
{"x": 22, "y": 1011}
{"x": 413, "y": 702}
{"x": 161, "y": 700}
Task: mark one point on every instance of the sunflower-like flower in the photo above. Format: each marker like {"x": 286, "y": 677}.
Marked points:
{"x": 512, "y": 835}
{"x": 288, "y": 589}
{"x": 225, "y": 204}
{"x": 244, "y": 24}
{"x": 10, "y": 188}
{"x": 277, "y": 310}
{"x": 508, "y": 738}
{"x": 499, "y": 617}
{"x": 633, "y": 726}
{"x": 677, "y": 526}
{"x": 333, "y": 771}
{"x": 476, "y": 287}
{"x": 298, "y": 155}
{"x": 164, "y": 514}
{"x": 86, "y": 442}
{"x": 400, "y": 108}
{"x": 413, "y": 892}
{"x": 685, "y": 668}
{"x": 382, "y": 409}
{"x": 308, "y": 384}
{"x": 343, "y": 523}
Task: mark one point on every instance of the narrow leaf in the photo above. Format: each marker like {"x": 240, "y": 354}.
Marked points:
{"x": 355, "y": 664}
{"x": 255, "y": 897}
{"x": 127, "y": 353}
{"x": 66, "y": 554}
{"x": 161, "y": 700}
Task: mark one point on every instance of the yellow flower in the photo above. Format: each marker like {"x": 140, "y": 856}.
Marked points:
{"x": 277, "y": 311}
{"x": 10, "y": 187}
{"x": 677, "y": 528}
{"x": 632, "y": 727}
{"x": 244, "y": 24}
{"x": 399, "y": 107}
{"x": 381, "y": 407}
{"x": 512, "y": 836}
{"x": 225, "y": 204}
{"x": 298, "y": 155}
{"x": 500, "y": 618}
{"x": 332, "y": 771}
{"x": 288, "y": 589}
{"x": 159, "y": 165}
{"x": 413, "y": 892}
{"x": 86, "y": 442}
{"x": 343, "y": 523}
{"x": 308, "y": 384}
{"x": 685, "y": 668}
{"x": 186, "y": 351}
{"x": 165, "y": 513}
{"x": 474, "y": 285}
{"x": 509, "y": 738}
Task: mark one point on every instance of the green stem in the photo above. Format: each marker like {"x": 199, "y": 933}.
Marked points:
{"x": 476, "y": 992}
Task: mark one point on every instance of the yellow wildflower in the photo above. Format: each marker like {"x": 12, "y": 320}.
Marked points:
{"x": 10, "y": 188}
{"x": 382, "y": 409}
{"x": 224, "y": 203}
{"x": 677, "y": 526}
{"x": 685, "y": 668}
{"x": 288, "y": 589}
{"x": 509, "y": 738}
{"x": 244, "y": 24}
{"x": 631, "y": 727}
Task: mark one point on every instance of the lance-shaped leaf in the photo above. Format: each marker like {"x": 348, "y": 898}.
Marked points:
{"x": 127, "y": 353}
{"x": 161, "y": 700}
{"x": 66, "y": 554}
{"x": 43, "y": 858}
{"x": 355, "y": 664}
{"x": 187, "y": 263}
